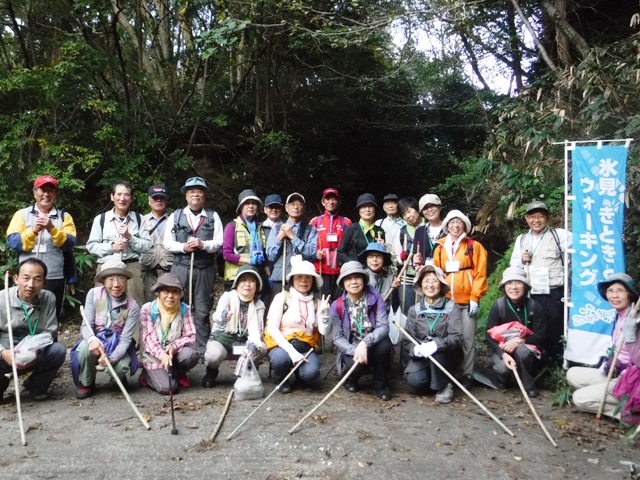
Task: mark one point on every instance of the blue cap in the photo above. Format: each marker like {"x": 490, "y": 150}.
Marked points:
{"x": 195, "y": 182}
{"x": 273, "y": 199}
{"x": 376, "y": 247}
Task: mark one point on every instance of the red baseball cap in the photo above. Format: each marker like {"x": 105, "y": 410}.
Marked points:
{"x": 330, "y": 191}
{"x": 43, "y": 180}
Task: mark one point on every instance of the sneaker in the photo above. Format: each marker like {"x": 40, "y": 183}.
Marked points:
{"x": 285, "y": 388}
{"x": 83, "y": 392}
{"x": 183, "y": 380}
{"x": 351, "y": 386}
{"x": 209, "y": 379}
{"x": 445, "y": 395}
{"x": 383, "y": 394}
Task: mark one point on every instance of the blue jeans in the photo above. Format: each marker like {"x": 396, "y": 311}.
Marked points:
{"x": 281, "y": 363}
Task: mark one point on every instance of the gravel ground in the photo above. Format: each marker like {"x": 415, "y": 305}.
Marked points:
{"x": 351, "y": 436}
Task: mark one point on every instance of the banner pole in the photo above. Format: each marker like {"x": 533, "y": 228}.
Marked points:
{"x": 565, "y": 311}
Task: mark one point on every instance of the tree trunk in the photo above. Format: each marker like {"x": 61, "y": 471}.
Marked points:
{"x": 572, "y": 36}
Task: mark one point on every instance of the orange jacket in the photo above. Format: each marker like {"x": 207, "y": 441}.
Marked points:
{"x": 468, "y": 283}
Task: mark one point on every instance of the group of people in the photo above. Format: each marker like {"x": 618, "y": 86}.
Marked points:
{"x": 288, "y": 282}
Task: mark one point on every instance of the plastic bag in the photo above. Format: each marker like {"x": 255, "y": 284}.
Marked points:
{"x": 249, "y": 386}
{"x": 394, "y": 332}
{"x": 26, "y": 352}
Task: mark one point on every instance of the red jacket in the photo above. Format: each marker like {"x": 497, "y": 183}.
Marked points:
{"x": 326, "y": 228}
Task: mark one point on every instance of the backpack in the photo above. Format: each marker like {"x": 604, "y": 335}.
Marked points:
{"x": 340, "y": 307}
{"x": 103, "y": 214}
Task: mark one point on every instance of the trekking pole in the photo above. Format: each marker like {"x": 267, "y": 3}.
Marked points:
{"x": 612, "y": 369}
{"x": 404, "y": 278}
{"x": 514, "y": 369}
{"x": 452, "y": 378}
{"x": 115, "y": 377}
{"x": 404, "y": 268}
{"x": 284, "y": 262}
{"x": 14, "y": 368}
{"x": 221, "y": 419}
{"x": 293, "y": 370}
{"x": 344, "y": 379}
{"x": 191, "y": 282}
{"x": 320, "y": 267}
{"x": 174, "y": 430}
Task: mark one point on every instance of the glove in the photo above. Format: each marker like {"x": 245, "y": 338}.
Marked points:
{"x": 403, "y": 255}
{"x": 426, "y": 349}
{"x": 257, "y": 259}
{"x": 473, "y": 308}
{"x": 270, "y": 280}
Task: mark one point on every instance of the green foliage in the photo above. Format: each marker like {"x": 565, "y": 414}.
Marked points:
{"x": 493, "y": 293}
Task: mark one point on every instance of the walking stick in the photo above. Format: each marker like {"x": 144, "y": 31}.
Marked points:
{"x": 116, "y": 378}
{"x": 284, "y": 262}
{"x": 174, "y": 430}
{"x": 13, "y": 359}
{"x": 452, "y": 378}
{"x": 533, "y": 410}
{"x": 404, "y": 277}
{"x": 404, "y": 268}
{"x": 221, "y": 419}
{"x": 191, "y": 282}
{"x": 269, "y": 396}
{"x": 344, "y": 379}
{"x": 612, "y": 369}
{"x": 320, "y": 267}
{"x": 39, "y": 242}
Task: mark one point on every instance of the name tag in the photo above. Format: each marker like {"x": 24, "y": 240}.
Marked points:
{"x": 39, "y": 249}
{"x": 453, "y": 266}
{"x": 539, "y": 278}
{"x": 239, "y": 349}
{"x": 332, "y": 237}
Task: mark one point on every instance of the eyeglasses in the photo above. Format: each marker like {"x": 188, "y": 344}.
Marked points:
{"x": 537, "y": 217}
{"x": 296, "y": 204}
{"x": 115, "y": 279}
{"x": 455, "y": 221}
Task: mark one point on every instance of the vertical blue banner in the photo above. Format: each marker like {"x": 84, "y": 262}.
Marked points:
{"x": 599, "y": 179}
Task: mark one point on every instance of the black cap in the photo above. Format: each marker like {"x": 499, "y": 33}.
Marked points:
{"x": 392, "y": 197}
{"x": 158, "y": 191}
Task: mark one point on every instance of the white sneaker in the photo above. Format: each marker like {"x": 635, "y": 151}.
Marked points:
{"x": 445, "y": 395}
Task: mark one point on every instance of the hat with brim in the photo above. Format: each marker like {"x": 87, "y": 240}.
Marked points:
{"x": 168, "y": 280}
{"x": 624, "y": 280}
{"x": 366, "y": 199}
{"x": 112, "y": 267}
{"x": 375, "y": 247}
{"x": 302, "y": 267}
{"x": 294, "y": 195}
{"x": 195, "y": 182}
{"x": 247, "y": 270}
{"x": 417, "y": 282}
{"x": 352, "y": 268}
{"x": 245, "y": 196}
{"x": 512, "y": 274}
{"x": 392, "y": 197}
{"x": 429, "y": 199}
{"x": 537, "y": 206}
{"x": 456, "y": 214}
{"x": 273, "y": 199}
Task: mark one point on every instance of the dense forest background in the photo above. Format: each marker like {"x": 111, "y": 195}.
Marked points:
{"x": 299, "y": 95}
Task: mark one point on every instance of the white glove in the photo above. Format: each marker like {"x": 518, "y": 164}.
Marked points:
{"x": 294, "y": 355}
{"x": 473, "y": 308}
{"x": 426, "y": 349}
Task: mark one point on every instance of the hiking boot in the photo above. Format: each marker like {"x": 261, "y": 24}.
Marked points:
{"x": 351, "y": 386}
{"x": 383, "y": 394}
{"x": 83, "y": 392}
{"x": 209, "y": 379}
{"x": 533, "y": 392}
{"x": 4, "y": 384}
{"x": 285, "y": 388}
{"x": 445, "y": 395}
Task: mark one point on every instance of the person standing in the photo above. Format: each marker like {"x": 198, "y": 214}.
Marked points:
{"x": 121, "y": 234}
{"x": 33, "y": 311}
{"x": 157, "y": 260}
{"x": 464, "y": 261}
{"x": 273, "y": 210}
{"x": 428, "y": 235}
{"x": 300, "y": 239}
{"x": 45, "y": 232}
{"x": 358, "y": 236}
{"x": 393, "y": 222}
{"x": 195, "y": 233}
{"x": 331, "y": 227}
{"x": 403, "y": 244}
{"x": 540, "y": 253}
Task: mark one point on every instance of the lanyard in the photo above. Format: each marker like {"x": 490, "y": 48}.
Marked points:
{"x": 364, "y": 234}
{"x": 200, "y": 222}
{"x": 166, "y": 332}
{"x": 32, "y": 328}
{"x": 540, "y": 237}
{"x": 359, "y": 320}
{"x": 330, "y": 224}
{"x": 110, "y": 318}
{"x": 123, "y": 222}
{"x": 526, "y": 314}
{"x": 432, "y": 326}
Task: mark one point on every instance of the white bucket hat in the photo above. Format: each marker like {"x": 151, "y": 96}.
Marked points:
{"x": 417, "y": 282}
{"x": 429, "y": 199}
{"x": 302, "y": 267}
{"x": 514, "y": 273}
{"x": 456, "y": 214}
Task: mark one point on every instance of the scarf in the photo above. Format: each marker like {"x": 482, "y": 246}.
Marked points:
{"x": 256, "y": 245}
{"x": 451, "y": 246}
{"x": 167, "y": 315}
{"x": 252, "y": 325}
{"x": 295, "y": 297}
{"x": 370, "y": 229}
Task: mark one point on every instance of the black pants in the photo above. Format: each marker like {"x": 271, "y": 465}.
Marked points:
{"x": 553, "y": 306}
{"x": 379, "y": 358}
{"x": 431, "y": 377}
{"x": 57, "y": 288}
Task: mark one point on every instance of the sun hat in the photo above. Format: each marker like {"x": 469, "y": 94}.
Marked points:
{"x": 351, "y": 268}
{"x": 374, "y": 247}
{"x": 112, "y": 267}
{"x": 417, "y": 282}
{"x": 514, "y": 273}
{"x": 195, "y": 182}
{"x": 621, "y": 278}
{"x": 302, "y": 267}
{"x": 168, "y": 280}
{"x": 456, "y": 214}
{"x": 249, "y": 270}
{"x": 429, "y": 199}
{"x": 365, "y": 199}
{"x": 246, "y": 195}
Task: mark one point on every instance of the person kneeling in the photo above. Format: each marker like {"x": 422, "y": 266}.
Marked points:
{"x": 435, "y": 321}
{"x": 361, "y": 330}
{"x": 113, "y": 316}
{"x": 294, "y": 326}
{"x": 33, "y": 314}
{"x": 237, "y": 324}
{"x": 516, "y": 331}
{"x": 167, "y": 333}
